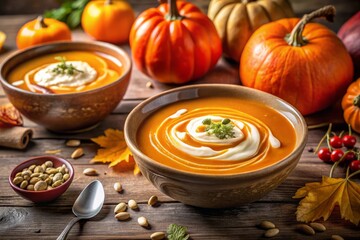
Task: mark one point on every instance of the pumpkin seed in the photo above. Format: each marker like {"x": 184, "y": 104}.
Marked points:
{"x": 26, "y": 172}
{"x": 118, "y": 187}
{"x": 52, "y": 171}
{"x": 121, "y": 207}
{"x": 336, "y": 237}
{"x": 23, "y": 184}
{"x": 39, "y": 169}
{"x": 318, "y": 227}
{"x": 49, "y": 164}
{"x": 57, "y": 183}
{"x": 18, "y": 174}
{"x": 32, "y": 167}
{"x": 30, "y": 187}
{"x": 90, "y": 172}
{"x": 48, "y": 181}
{"x": 73, "y": 143}
{"x": 143, "y": 222}
{"x": 34, "y": 180}
{"x": 18, "y": 180}
{"x": 132, "y": 204}
{"x": 267, "y": 225}
{"x": 66, "y": 177}
{"x": 40, "y": 185}
{"x": 77, "y": 153}
{"x": 306, "y": 229}
{"x": 271, "y": 232}
{"x": 153, "y": 200}
{"x": 149, "y": 85}
{"x": 121, "y": 216}
{"x": 35, "y": 175}
{"x": 157, "y": 236}
{"x": 57, "y": 177}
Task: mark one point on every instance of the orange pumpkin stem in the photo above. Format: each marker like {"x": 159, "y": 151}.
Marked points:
{"x": 357, "y": 101}
{"x": 173, "y": 11}
{"x": 296, "y": 38}
{"x": 40, "y": 23}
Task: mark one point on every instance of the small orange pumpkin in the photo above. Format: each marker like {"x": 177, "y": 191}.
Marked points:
{"x": 108, "y": 21}
{"x": 304, "y": 63}
{"x": 351, "y": 105}
{"x": 174, "y": 43}
{"x": 42, "y": 30}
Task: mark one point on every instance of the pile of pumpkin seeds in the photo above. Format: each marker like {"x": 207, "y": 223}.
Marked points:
{"x": 41, "y": 177}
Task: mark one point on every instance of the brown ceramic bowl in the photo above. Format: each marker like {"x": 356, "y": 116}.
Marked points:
{"x": 46, "y": 195}
{"x": 206, "y": 190}
{"x": 67, "y": 112}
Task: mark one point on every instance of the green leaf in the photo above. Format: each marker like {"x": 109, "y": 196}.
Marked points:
{"x": 69, "y": 12}
{"x": 177, "y": 232}
{"x": 74, "y": 18}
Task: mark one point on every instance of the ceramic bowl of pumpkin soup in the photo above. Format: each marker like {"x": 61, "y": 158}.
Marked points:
{"x": 66, "y": 86}
{"x": 215, "y": 145}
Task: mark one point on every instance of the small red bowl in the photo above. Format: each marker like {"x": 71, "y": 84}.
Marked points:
{"x": 45, "y": 195}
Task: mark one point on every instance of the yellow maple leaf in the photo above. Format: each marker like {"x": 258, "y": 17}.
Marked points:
{"x": 319, "y": 200}
{"x": 114, "y": 149}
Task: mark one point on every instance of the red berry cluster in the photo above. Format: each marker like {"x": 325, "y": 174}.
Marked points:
{"x": 334, "y": 152}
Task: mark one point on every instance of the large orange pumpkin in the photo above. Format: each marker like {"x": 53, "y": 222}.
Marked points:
{"x": 42, "y": 30}
{"x": 108, "y": 21}
{"x": 175, "y": 42}
{"x": 236, "y": 20}
{"x": 351, "y": 105}
{"x": 304, "y": 63}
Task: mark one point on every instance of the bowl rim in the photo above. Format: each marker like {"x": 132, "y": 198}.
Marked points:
{"x": 119, "y": 50}
{"x": 48, "y": 157}
{"x": 172, "y": 172}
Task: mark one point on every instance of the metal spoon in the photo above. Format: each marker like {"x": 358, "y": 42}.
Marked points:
{"x": 87, "y": 205}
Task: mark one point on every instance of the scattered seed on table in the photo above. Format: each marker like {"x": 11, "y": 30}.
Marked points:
{"x": 121, "y": 207}
{"x": 318, "y": 227}
{"x": 77, "y": 153}
{"x": 143, "y": 222}
{"x": 132, "y": 204}
{"x": 306, "y": 229}
{"x": 122, "y": 216}
{"x": 90, "y": 172}
{"x": 149, "y": 85}
{"x": 118, "y": 187}
{"x": 271, "y": 232}
{"x": 153, "y": 200}
{"x": 336, "y": 237}
{"x": 73, "y": 143}
{"x": 267, "y": 225}
{"x": 157, "y": 236}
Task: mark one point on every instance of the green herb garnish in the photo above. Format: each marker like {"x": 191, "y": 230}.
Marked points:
{"x": 222, "y": 130}
{"x": 64, "y": 68}
{"x": 177, "y": 232}
{"x": 69, "y": 12}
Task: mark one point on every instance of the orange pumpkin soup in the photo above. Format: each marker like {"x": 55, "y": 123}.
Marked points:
{"x": 66, "y": 72}
{"x": 217, "y": 135}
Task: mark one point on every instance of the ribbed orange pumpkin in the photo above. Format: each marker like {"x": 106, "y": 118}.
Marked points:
{"x": 304, "y": 63}
{"x": 174, "y": 43}
{"x": 351, "y": 105}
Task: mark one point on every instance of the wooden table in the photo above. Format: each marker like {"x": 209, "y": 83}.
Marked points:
{"x": 21, "y": 219}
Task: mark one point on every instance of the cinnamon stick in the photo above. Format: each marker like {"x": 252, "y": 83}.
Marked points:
{"x": 15, "y": 137}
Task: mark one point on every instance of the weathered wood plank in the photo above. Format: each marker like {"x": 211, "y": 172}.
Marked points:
{"x": 47, "y": 222}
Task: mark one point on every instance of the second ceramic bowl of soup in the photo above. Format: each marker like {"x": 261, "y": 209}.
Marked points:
{"x": 92, "y": 78}
{"x": 215, "y": 145}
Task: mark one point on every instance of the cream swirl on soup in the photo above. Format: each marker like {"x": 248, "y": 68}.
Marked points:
{"x": 216, "y": 136}
{"x": 186, "y": 131}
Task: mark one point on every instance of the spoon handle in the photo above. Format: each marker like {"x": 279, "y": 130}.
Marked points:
{"x": 66, "y": 230}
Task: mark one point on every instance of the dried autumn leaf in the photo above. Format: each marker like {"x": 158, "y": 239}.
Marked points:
{"x": 10, "y": 116}
{"x": 114, "y": 149}
{"x": 321, "y": 198}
